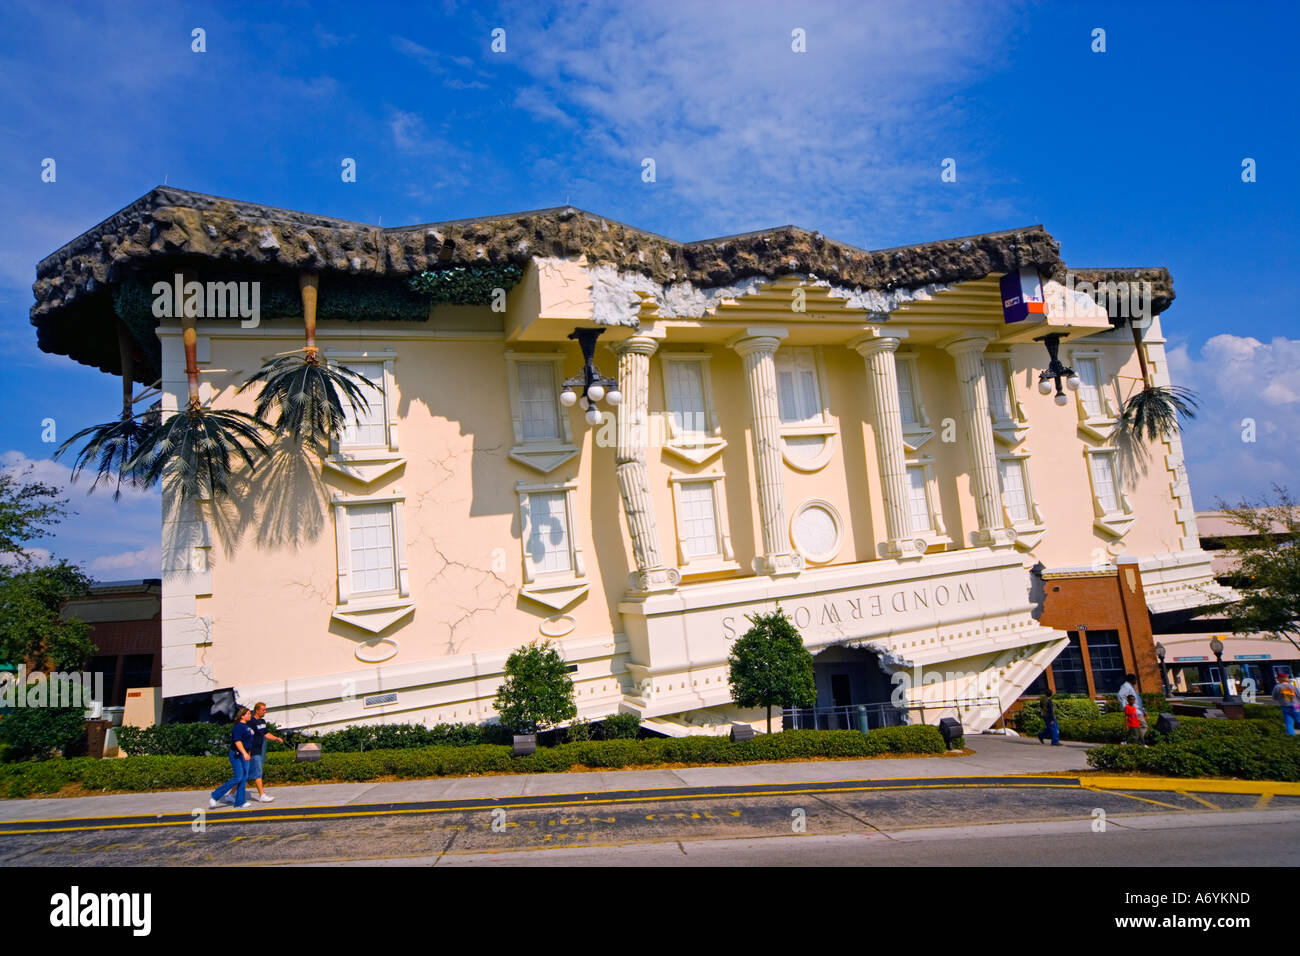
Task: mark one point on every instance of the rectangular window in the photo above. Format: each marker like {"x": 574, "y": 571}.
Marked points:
{"x": 1012, "y": 473}
{"x": 796, "y": 384}
{"x": 366, "y": 427}
{"x": 997, "y": 376}
{"x": 1089, "y": 385}
{"x": 699, "y": 522}
{"x": 370, "y": 529}
{"x": 538, "y": 401}
{"x": 918, "y": 503}
{"x": 686, "y": 394}
{"x": 1103, "y": 483}
{"x": 1107, "y": 661}
{"x": 1067, "y": 669}
{"x": 548, "y": 532}
{"x": 906, "y": 394}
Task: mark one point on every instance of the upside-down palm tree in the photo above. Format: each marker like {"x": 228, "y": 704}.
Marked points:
{"x": 303, "y": 391}
{"x": 196, "y": 445}
{"x": 112, "y": 445}
{"x": 1155, "y": 410}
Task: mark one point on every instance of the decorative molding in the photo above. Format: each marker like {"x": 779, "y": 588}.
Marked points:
{"x": 371, "y": 611}
{"x": 1114, "y": 523}
{"x": 366, "y": 469}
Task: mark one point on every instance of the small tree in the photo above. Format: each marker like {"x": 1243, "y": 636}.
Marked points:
{"x": 1268, "y": 574}
{"x": 770, "y": 665}
{"x": 537, "y": 692}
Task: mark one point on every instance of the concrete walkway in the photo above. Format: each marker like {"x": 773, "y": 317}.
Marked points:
{"x": 994, "y": 756}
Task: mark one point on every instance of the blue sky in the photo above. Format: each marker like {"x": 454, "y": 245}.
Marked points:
{"x": 1128, "y": 157}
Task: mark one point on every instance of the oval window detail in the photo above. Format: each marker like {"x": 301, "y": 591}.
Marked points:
{"x": 816, "y": 531}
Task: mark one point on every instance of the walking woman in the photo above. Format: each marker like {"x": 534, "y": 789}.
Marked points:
{"x": 240, "y": 736}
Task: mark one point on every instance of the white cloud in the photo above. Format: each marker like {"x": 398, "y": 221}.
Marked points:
{"x": 739, "y": 124}
{"x": 142, "y": 563}
{"x": 1245, "y": 386}
{"x": 102, "y": 535}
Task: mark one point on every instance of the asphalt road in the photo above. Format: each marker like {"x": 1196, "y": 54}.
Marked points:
{"x": 1055, "y": 823}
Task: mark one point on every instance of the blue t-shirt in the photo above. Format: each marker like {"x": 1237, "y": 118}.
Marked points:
{"x": 258, "y": 726}
{"x": 240, "y": 733}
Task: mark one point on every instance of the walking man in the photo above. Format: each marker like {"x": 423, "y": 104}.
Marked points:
{"x": 258, "y": 749}
{"x": 241, "y": 736}
{"x": 1050, "y": 727}
{"x": 1288, "y": 695}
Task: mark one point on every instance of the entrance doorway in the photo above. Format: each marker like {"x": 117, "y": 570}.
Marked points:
{"x": 847, "y": 678}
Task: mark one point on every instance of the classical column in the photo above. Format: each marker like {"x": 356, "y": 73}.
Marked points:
{"x": 757, "y": 347}
{"x": 633, "y": 485}
{"x": 967, "y": 351}
{"x": 877, "y": 348}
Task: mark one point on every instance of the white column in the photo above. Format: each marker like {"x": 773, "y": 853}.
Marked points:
{"x": 877, "y": 347}
{"x": 630, "y": 455}
{"x": 967, "y": 351}
{"x": 757, "y": 347}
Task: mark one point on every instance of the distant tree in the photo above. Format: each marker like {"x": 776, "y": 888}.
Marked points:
{"x": 537, "y": 692}
{"x": 32, "y": 628}
{"x": 769, "y": 666}
{"x": 32, "y": 596}
{"x": 1268, "y": 573}
{"x": 28, "y": 510}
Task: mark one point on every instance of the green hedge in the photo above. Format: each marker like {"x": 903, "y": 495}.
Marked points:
{"x": 1241, "y": 756}
{"x": 1077, "y": 708}
{"x": 161, "y": 773}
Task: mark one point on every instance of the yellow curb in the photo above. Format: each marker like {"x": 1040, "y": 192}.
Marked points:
{"x": 1272, "y": 787}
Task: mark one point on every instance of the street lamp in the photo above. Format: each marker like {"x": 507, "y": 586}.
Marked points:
{"x": 1216, "y": 647}
{"x": 588, "y": 387}
{"x": 1160, "y": 655}
{"x": 1055, "y": 371}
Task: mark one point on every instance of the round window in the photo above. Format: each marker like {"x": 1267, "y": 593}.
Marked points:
{"x": 815, "y": 531}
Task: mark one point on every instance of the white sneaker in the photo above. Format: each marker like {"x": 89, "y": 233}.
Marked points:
{"x": 244, "y": 806}
{"x": 213, "y": 804}
{"x": 266, "y": 798}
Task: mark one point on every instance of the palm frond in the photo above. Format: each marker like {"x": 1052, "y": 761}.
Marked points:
{"x": 307, "y": 398}
{"x": 1155, "y": 412}
{"x": 109, "y": 447}
{"x": 197, "y": 446}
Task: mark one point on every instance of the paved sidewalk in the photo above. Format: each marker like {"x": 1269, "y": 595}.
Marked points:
{"x": 994, "y": 756}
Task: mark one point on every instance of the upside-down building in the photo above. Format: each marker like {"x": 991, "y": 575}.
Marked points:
{"x": 857, "y": 437}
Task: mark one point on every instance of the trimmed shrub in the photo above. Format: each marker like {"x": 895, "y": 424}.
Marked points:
{"x": 620, "y": 726}
{"x": 1241, "y": 756}
{"x": 175, "y": 740}
{"x": 158, "y": 773}
{"x": 34, "y": 733}
{"x": 1029, "y": 719}
{"x": 579, "y": 730}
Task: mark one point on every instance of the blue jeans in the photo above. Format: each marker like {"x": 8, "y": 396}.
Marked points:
{"x": 1290, "y": 718}
{"x": 238, "y": 782}
{"x": 1054, "y": 729}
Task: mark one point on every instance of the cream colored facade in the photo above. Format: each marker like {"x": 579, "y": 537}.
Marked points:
{"x": 889, "y": 476}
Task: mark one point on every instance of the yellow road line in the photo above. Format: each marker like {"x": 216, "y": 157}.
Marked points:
{"x": 1118, "y": 793}
{"x": 1197, "y": 784}
{"x": 524, "y": 806}
{"x": 1264, "y": 800}
{"x": 1200, "y": 800}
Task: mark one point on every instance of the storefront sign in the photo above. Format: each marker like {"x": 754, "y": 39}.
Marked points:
{"x": 1191, "y": 658}
{"x": 1252, "y": 657}
{"x": 1022, "y": 295}
{"x": 836, "y": 612}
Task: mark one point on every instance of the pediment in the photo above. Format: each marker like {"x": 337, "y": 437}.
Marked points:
{"x": 557, "y": 597}
{"x": 543, "y": 458}
{"x": 364, "y": 470}
{"x": 375, "y": 620}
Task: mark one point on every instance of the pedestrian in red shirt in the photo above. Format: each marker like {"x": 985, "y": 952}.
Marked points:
{"x": 1136, "y": 732}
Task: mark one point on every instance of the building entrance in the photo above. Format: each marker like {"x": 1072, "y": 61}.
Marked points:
{"x": 851, "y": 686}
